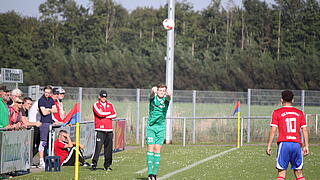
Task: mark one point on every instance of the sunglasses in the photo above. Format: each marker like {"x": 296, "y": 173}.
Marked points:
{"x": 19, "y": 102}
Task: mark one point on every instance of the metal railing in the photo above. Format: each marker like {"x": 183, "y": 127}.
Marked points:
{"x": 133, "y": 104}
{"x": 194, "y": 129}
{"x": 260, "y": 126}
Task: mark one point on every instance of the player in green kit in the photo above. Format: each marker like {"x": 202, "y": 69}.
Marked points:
{"x": 156, "y": 128}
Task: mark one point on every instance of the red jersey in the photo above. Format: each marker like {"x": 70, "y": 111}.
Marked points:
{"x": 289, "y": 120}
{"x": 60, "y": 151}
{"x": 103, "y": 115}
{"x": 57, "y": 116}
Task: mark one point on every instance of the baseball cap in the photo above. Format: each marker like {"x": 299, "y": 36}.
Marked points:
{"x": 62, "y": 91}
{"x": 103, "y": 93}
{"x": 55, "y": 91}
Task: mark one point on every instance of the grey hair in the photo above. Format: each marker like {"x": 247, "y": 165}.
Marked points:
{"x": 16, "y": 92}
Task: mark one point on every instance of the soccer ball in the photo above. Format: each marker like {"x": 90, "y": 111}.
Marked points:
{"x": 168, "y": 24}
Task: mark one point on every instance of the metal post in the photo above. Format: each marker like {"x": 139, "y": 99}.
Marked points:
{"x": 37, "y": 92}
{"x": 302, "y": 100}
{"x": 249, "y": 114}
{"x": 50, "y": 141}
{"x": 80, "y": 102}
{"x": 184, "y": 131}
{"x": 316, "y": 123}
{"x": 194, "y": 115}
{"x": 142, "y": 132}
{"x": 170, "y": 69}
{"x": 30, "y": 92}
{"x": 138, "y": 116}
{"x": 34, "y": 92}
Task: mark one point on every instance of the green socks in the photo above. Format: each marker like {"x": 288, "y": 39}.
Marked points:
{"x": 156, "y": 161}
{"x": 153, "y": 161}
{"x": 150, "y": 159}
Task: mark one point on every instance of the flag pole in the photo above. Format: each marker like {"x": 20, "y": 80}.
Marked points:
{"x": 238, "y": 145}
{"x": 76, "y": 172}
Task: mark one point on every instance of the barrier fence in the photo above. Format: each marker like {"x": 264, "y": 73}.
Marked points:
{"x": 224, "y": 130}
{"x": 87, "y": 136}
{"x": 16, "y": 146}
{"x": 15, "y": 150}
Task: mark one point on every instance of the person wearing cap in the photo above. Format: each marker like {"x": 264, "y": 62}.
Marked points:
{"x": 55, "y": 96}
{"x": 60, "y": 98}
{"x": 103, "y": 112}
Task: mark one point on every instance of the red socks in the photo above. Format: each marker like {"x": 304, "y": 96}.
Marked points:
{"x": 282, "y": 178}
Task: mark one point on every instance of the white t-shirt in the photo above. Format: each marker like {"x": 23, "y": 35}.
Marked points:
{"x": 34, "y": 114}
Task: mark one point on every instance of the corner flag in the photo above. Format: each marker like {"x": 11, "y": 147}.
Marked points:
{"x": 73, "y": 116}
{"x": 237, "y": 108}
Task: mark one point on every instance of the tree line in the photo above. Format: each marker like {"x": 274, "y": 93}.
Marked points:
{"x": 257, "y": 45}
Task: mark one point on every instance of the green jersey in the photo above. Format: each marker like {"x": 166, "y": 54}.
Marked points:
{"x": 4, "y": 114}
{"x": 158, "y": 108}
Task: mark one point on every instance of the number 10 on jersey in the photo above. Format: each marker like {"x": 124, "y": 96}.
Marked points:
{"x": 291, "y": 125}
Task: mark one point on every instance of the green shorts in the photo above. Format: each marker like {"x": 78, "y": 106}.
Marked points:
{"x": 155, "y": 135}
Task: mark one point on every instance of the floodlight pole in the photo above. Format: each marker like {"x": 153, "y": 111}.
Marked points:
{"x": 170, "y": 69}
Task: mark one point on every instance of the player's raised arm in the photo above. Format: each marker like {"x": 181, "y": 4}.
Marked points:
{"x": 169, "y": 95}
{"x": 153, "y": 91}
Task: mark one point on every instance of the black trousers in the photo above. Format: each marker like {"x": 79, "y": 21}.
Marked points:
{"x": 105, "y": 139}
{"x": 71, "y": 158}
{"x": 36, "y": 140}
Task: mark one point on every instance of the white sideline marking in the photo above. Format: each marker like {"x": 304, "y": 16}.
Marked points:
{"x": 195, "y": 164}
{"x": 142, "y": 171}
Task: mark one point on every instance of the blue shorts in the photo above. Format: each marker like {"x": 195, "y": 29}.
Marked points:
{"x": 44, "y": 131}
{"x": 289, "y": 152}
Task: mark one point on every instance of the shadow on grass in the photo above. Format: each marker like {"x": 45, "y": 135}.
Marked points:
{"x": 97, "y": 169}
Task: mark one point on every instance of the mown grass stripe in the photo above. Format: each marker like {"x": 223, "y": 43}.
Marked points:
{"x": 196, "y": 164}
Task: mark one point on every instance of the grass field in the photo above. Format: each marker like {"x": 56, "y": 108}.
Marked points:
{"x": 249, "y": 162}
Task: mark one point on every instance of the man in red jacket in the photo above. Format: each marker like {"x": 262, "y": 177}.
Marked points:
{"x": 103, "y": 112}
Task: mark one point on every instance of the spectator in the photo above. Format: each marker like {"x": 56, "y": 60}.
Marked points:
{"x": 65, "y": 149}
{"x": 4, "y": 112}
{"x": 15, "y": 115}
{"x": 55, "y": 95}
{"x": 27, "y": 103}
{"x": 14, "y": 94}
{"x": 46, "y": 108}
{"x": 103, "y": 112}
{"x": 33, "y": 117}
{"x": 8, "y": 94}
{"x": 60, "y": 98}
{"x": 2, "y": 91}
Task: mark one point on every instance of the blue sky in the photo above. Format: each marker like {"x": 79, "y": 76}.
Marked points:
{"x": 30, "y": 7}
